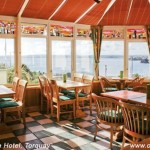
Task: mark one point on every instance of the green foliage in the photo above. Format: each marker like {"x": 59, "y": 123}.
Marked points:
{"x": 27, "y": 74}
{"x": 10, "y": 74}
{"x": 136, "y": 75}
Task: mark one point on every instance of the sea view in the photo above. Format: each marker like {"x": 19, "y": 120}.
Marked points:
{"x": 109, "y": 65}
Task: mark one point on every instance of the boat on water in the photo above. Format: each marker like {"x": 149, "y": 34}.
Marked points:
{"x": 145, "y": 60}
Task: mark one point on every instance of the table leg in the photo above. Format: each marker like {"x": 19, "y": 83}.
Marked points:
{"x": 79, "y": 112}
{"x": 4, "y": 128}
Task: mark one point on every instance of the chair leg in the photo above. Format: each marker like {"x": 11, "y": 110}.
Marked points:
{"x": 24, "y": 119}
{"x": 47, "y": 108}
{"x": 51, "y": 108}
{"x": 58, "y": 113}
{"x": 95, "y": 131}
{"x": 90, "y": 106}
{"x": 111, "y": 137}
{"x": 4, "y": 114}
{"x": 74, "y": 110}
{"x": 41, "y": 103}
{"x": 123, "y": 142}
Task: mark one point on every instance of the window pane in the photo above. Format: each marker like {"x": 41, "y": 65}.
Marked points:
{"x": 33, "y": 58}
{"x": 61, "y": 58}
{"x": 138, "y": 59}
{"x": 111, "y": 60}
{"x": 7, "y": 27}
{"x": 84, "y": 57}
{"x": 6, "y": 60}
{"x": 61, "y": 31}
{"x": 34, "y": 29}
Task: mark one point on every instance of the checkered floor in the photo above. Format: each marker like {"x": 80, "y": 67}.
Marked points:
{"x": 44, "y": 132}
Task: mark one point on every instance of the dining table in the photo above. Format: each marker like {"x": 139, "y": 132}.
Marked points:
{"x": 122, "y": 81}
{"x": 130, "y": 96}
{"x": 77, "y": 87}
{"x": 5, "y": 92}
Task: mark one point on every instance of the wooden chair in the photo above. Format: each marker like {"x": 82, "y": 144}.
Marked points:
{"x": 49, "y": 94}
{"x": 135, "y": 82}
{"x": 107, "y": 85}
{"x": 17, "y": 105}
{"x": 136, "y": 122}
{"x": 141, "y": 89}
{"x": 14, "y": 88}
{"x": 108, "y": 113}
{"x": 60, "y": 100}
{"x": 84, "y": 94}
{"x": 42, "y": 81}
{"x": 78, "y": 77}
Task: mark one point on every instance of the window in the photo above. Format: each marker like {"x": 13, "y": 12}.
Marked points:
{"x": 61, "y": 58}
{"x": 85, "y": 33}
{"x": 136, "y": 33}
{"x": 7, "y": 27}
{"x": 84, "y": 57}
{"x": 33, "y": 29}
{"x": 6, "y": 60}
{"x": 33, "y": 58}
{"x": 113, "y": 34}
{"x": 61, "y": 31}
{"x": 138, "y": 59}
{"x": 111, "y": 59}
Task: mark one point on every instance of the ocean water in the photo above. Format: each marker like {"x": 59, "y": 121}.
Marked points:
{"x": 113, "y": 66}
{"x": 109, "y": 66}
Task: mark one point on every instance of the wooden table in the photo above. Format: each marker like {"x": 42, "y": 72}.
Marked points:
{"x": 5, "y": 92}
{"x": 122, "y": 81}
{"x": 132, "y": 96}
{"x": 77, "y": 86}
{"x": 145, "y": 142}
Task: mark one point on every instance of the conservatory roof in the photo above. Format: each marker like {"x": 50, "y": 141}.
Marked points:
{"x": 106, "y": 12}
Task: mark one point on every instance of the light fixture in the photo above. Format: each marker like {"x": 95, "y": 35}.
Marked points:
{"x": 97, "y": 1}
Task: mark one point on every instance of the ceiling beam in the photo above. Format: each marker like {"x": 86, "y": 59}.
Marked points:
{"x": 22, "y": 8}
{"x": 129, "y": 11}
{"x": 63, "y": 2}
{"x": 85, "y": 12}
{"x": 106, "y": 10}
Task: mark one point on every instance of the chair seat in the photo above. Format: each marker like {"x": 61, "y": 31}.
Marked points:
{"x": 79, "y": 94}
{"x": 65, "y": 98}
{"x": 8, "y": 104}
{"x": 106, "y": 115}
{"x": 65, "y": 92}
{"x": 6, "y": 99}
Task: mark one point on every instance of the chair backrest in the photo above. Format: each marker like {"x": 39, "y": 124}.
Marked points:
{"x": 15, "y": 86}
{"x": 137, "y": 118}
{"x": 141, "y": 89}
{"x": 77, "y": 77}
{"x": 89, "y": 80}
{"x": 136, "y": 81}
{"x": 42, "y": 81}
{"x": 108, "y": 109}
{"x": 49, "y": 90}
{"x": 21, "y": 90}
{"x": 55, "y": 89}
{"x": 105, "y": 82}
